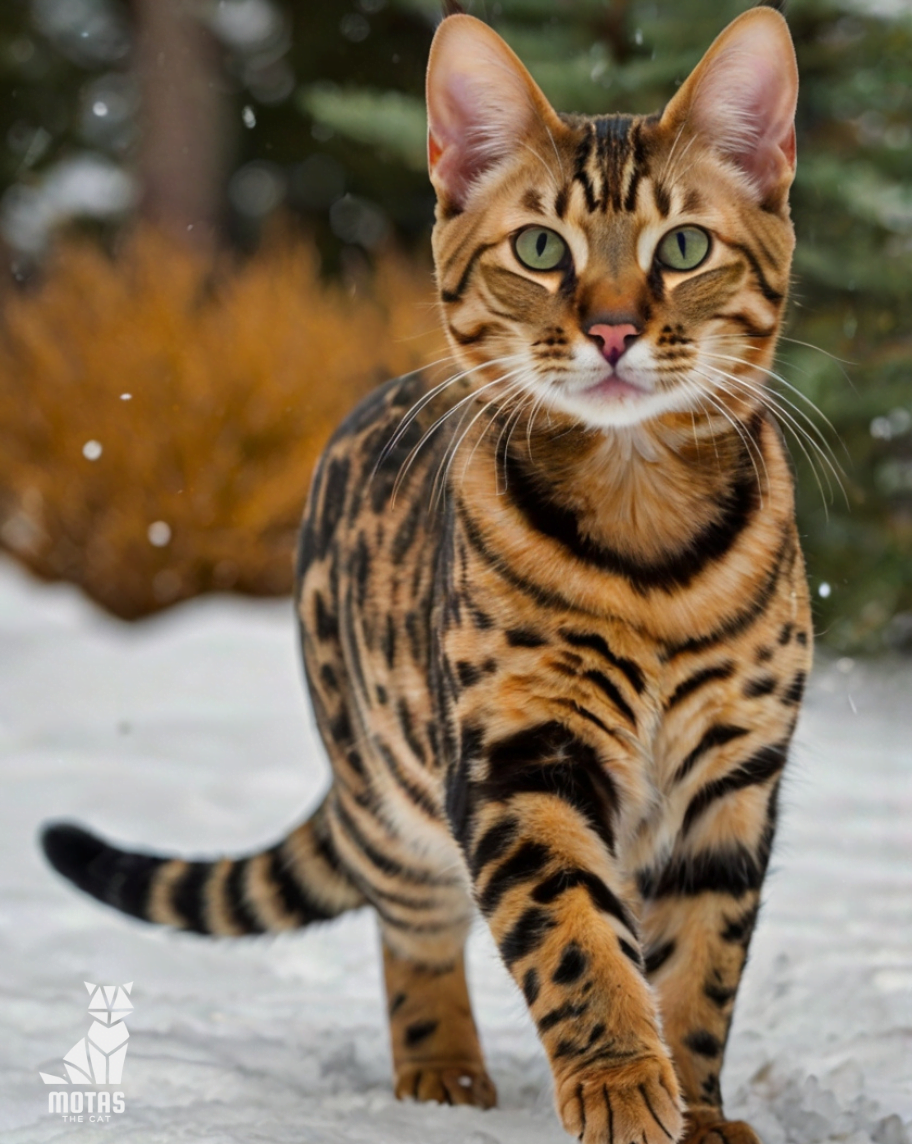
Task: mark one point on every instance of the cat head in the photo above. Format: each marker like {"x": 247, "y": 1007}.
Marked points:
{"x": 109, "y": 1003}
{"x": 615, "y": 269}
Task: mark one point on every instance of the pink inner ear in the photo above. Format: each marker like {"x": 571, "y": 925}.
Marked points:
{"x": 481, "y": 101}
{"x": 744, "y": 96}
{"x": 455, "y": 154}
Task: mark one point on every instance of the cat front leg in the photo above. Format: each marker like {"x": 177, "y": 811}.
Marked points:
{"x": 698, "y": 918}
{"x": 536, "y": 814}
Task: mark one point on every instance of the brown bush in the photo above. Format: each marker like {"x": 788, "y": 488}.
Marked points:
{"x": 236, "y": 376}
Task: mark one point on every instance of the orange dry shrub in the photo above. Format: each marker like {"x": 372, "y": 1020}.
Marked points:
{"x": 211, "y": 392}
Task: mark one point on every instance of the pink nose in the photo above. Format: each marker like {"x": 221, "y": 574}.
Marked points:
{"x": 614, "y": 339}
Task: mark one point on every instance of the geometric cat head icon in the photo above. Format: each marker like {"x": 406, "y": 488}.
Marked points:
{"x": 109, "y": 1003}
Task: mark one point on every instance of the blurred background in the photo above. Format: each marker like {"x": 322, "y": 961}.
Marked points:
{"x": 214, "y": 225}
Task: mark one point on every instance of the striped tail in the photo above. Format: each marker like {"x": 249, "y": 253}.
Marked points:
{"x": 299, "y": 881}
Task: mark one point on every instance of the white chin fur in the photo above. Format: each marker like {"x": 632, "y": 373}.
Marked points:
{"x": 599, "y": 411}
{"x": 617, "y": 412}
{"x": 602, "y": 413}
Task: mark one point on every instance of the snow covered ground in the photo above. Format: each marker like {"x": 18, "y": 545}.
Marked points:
{"x": 192, "y": 733}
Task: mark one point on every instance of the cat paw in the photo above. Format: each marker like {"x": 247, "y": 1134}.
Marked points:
{"x": 636, "y": 1103}
{"x": 446, "y": 1084}
{"x": 715, "y": 1129}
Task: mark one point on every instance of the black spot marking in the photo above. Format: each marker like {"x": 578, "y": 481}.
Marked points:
{"x": 354, "y": 760}
{"x": 360, "y": 569}
{"x": 560, "y": 1014}
{"x": 530, "y": 987}
{"x": 326, "y": 624}
{"x": 526, "y": 936}
{"x": 407, "y": 726}
{"x": 524, "y": 637}
{"x": 459, "y": 797}
{"x": 731, "y": 870}
{"x": 388, "y": 642}
{"x": 762, "y": 766}
{"x": 495, "y": 841}
{"x": 795, "y": 692}
{"x": 526, "y": 864}
{"x": 712, "y": 1093}
{"x": 480, "y": 618}
{"x": 335, "y": 487}
{"x": 600, "y": 896}
{"x": 656, "y": 957}
{"x": 716, "y": 736}
{"x": 630, "y": 952}
{"x": 467, "y": 673}
{"x": 407, "y": 531}
{"x": 532, "y": 201}
{"x": 738, "y": 931}
{"x": 702, "y": 1042}
{"x": 699, "y": 679}
{"x": 572, "y": 966}
{"x": 605, "y": 685}
{"x": 419, "y": 1031}
{"x": 413, "y": 632}
{"x": 630, "y": 670}
{"x": 340, "y": 728}
{"x": 763, "y": 685}
{"x": 718, "y": 994}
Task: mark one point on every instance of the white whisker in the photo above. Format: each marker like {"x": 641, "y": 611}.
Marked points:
{"x": 454, "y": 443}
{"x": 782, "y": 404}
{"x": 751, "y": 446}
{"x": 425, "y": 398}
{"x": 801, "y": 435}
{"x": 793, "y": 388}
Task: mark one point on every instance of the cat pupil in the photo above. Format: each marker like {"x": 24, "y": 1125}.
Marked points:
{"x": 682, "y": 243}
{"x": 541, "y": 244}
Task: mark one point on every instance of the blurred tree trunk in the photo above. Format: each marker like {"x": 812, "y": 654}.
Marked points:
{"x": 615, "y": 28}
{"x": 183, "y": 120}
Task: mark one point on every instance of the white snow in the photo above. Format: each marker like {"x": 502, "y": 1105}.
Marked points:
{"x": 191, "y": 733}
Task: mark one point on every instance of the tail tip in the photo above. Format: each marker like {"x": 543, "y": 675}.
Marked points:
{"x": 72, "y": 851}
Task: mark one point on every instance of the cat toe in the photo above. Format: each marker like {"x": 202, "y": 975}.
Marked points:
{"x": 446, "y": 1084}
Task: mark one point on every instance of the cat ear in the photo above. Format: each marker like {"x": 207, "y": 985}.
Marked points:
{"x": 481, "y": 102}
{"x": 741, "y": 98}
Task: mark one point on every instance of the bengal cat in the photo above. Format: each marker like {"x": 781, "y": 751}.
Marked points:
{"x": 553, "y": 611}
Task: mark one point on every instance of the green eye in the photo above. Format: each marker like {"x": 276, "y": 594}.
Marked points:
{"x": 541, "y": 249}
{"x": 683, "y": 248}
